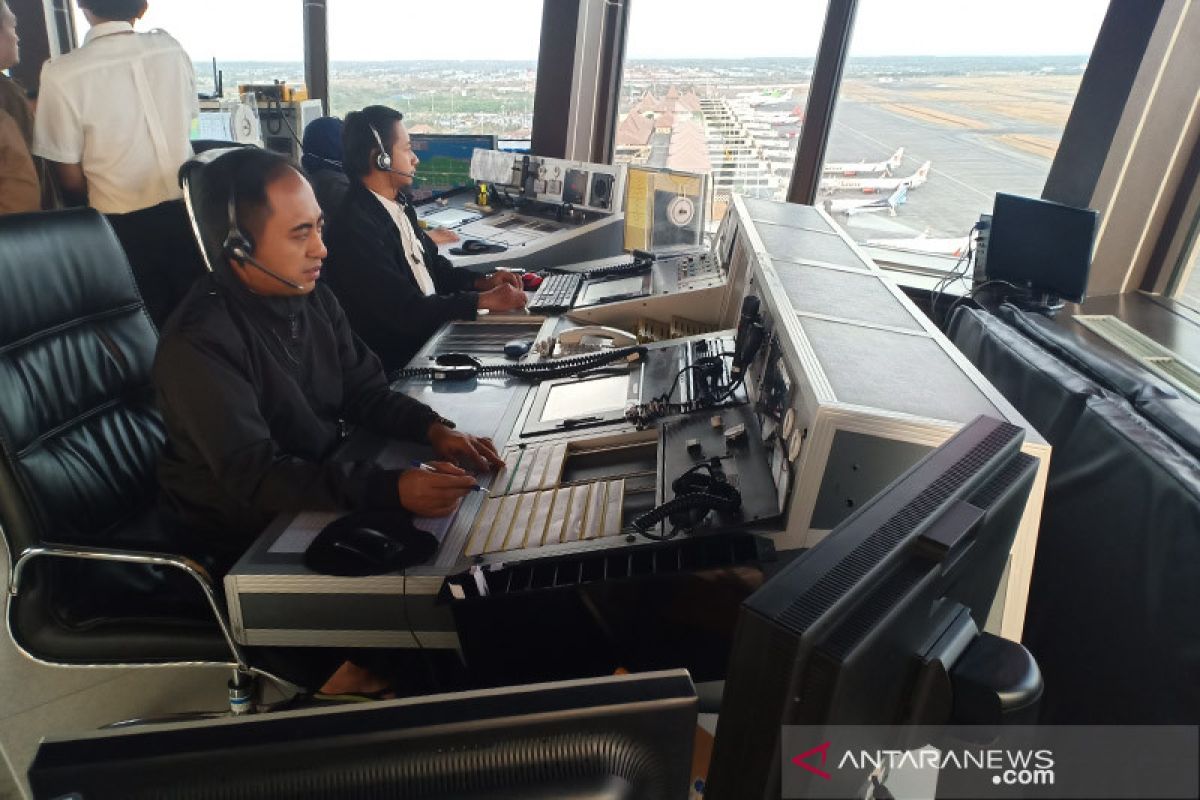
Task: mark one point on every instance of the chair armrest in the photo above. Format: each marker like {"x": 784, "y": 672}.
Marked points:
{"x": 187, "y": 565}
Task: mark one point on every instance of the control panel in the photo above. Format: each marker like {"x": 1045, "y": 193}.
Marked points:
{"x": 578, "y": 184}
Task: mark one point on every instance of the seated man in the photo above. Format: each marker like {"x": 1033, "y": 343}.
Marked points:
{"x": 258, "y": 372}
{"x": 322, "y": 162}
{"x": 385, "y": 270}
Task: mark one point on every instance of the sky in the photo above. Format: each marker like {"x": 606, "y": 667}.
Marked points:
{"x": 387, "y": 30}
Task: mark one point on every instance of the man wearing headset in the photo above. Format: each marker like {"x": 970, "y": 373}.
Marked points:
{"x": 258, "y": 373}
{"x": 386, "y": 271}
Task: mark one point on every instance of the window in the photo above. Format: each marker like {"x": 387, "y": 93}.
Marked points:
{"x": 712, "y": 89}
{"x": 464, "y": 67}
{"x": 253, "y": 43}
{"x": 1189, "y": 286}
{"x": 942, "y": 104}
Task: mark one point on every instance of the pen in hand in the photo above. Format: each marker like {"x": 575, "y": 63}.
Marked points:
{"x": 421, "y": 465}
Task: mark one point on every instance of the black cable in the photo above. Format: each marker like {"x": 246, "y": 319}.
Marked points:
{"x": 693, "y": 492}
{"x": 971, "y": 296}
{"x": 291, "y": 129}
{"x": 273, "y": 126}
{"x": 536, "y": 371}
{"x": 687, "y": 502}
{"x": 956, "y": 273}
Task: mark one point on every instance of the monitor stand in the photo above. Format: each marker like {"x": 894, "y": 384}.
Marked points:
{"x": 1039, "y": 302}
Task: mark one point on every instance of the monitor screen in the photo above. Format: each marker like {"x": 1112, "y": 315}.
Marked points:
{"x": 445, "y": 162}
{"x": 867, "y": 627}
{"x": 599, "y": 291}
{"x": 586, "y": 398}
{"x": 624, "y": 736}
{"x": 1042, "y": 245}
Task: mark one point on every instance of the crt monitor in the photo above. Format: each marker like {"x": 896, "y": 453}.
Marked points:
{"x": 1042, "y": 245}
{"x": 869, "y": 627}
{"x": 445, "y": 162}
{"x": 627, "y": 737}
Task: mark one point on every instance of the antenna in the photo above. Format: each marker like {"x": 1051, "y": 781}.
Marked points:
{"x": 218, "y": 80}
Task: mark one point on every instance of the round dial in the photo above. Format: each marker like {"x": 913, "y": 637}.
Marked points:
{"x": 794, "y": 442}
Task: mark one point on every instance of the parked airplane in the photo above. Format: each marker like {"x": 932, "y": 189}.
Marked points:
{"x": 850, "y": 206}
{"x": 873, "y": 185}
{"x": 886, "y": 167}
{"x": 948, "y": 246}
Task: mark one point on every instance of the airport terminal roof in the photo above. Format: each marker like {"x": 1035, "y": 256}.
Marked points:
{"x": 634, "y": 131}
{"x": 688, "y": 151}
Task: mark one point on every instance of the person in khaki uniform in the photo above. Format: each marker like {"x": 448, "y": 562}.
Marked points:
{"x": 20, "y": 189}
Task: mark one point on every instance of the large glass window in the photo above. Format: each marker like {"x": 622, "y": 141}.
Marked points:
{"x": 258, "y": 42}
{"x": 718, "y": 89}
{"x": 943, "y": 103}
{"x": 463, "y": 67}
{"x": 1188, "y": 292}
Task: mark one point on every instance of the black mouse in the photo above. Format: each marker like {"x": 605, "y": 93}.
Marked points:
{"x": 517, "y": 348}
{"x": 474, "y": 247}
{"x": 369, "y": 543}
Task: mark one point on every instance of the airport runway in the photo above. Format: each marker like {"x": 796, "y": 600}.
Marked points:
{"x": 969, "y": 167}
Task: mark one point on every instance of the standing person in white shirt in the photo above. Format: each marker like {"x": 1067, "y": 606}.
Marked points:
{"x": 395, "y": 288}
{"x": 114, "y": 116}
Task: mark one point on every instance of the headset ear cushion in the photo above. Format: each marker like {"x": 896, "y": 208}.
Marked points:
{"x": 234, "y": 242}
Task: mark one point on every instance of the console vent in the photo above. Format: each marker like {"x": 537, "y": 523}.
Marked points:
{"x": 1153, "y": 356}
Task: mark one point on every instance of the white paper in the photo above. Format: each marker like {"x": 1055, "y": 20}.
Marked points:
{"x": 304, "y": 528}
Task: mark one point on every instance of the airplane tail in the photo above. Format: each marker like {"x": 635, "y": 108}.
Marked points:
{"x": 896, "y": 159}
{"x": 899, "y": 197}
{"x": 921, "y": 175}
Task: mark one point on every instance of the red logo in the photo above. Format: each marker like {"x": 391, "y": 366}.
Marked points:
{"x": 823, "y": 749}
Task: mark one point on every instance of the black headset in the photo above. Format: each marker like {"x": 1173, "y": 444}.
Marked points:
{"x": 237, "y": 245}
{"x": 384, "y": 159}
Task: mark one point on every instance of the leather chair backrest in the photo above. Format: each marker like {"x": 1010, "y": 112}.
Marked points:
{"x": 191, "y": 180}
{"x": 79, "y": 433}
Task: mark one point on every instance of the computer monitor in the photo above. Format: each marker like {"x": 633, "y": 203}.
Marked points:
{"x": 623, "y": 737}
{"x": 1041, "y": 245}
{"x": 866, "y": 627}
{"x": 445, "y": 162}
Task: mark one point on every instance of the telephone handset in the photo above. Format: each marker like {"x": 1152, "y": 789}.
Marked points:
{"x": 595, "y": 337}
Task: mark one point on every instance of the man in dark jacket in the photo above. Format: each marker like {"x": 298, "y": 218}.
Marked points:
{"x": 257, "y": 371}
{"x": 385, "y": 270}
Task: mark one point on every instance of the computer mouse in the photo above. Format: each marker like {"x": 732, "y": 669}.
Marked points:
{"x": 517, "y": 348}
{"x": 369, "y": 543}
{"x": 531, "y": 281}
{"x": 474, "y": 247}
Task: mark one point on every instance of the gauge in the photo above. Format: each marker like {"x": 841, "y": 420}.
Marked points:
{"x": 789, "y": 423}
{"x": 794, "y": 443}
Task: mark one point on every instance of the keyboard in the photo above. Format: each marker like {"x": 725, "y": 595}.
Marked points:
{"x": 557, "y": 293}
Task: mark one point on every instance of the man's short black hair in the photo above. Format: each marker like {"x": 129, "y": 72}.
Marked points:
{"x": 115, "y": 9}
{"x": 244, "y": 173}
{"x": 358, "y": 143}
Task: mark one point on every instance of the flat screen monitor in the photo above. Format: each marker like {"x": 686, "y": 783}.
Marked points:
{"x": 627, "y": 737}
{"x": 1041, "y": 245}
{"x": 584, "y": 398}
{"x": 445, "y": 162}
{"x": 611, "y": 290}
{"x": 857, "y": 630}
{"x": 569, "y": 403}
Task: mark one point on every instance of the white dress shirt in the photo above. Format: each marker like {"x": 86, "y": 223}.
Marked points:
{"x": 121, "y": 106}
{"x": 412, "y": 245}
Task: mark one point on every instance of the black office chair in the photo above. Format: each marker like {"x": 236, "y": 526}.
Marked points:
{"x": 94, "y": 581}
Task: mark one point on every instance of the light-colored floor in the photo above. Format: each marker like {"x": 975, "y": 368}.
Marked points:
{"x": 38, "y": 701}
